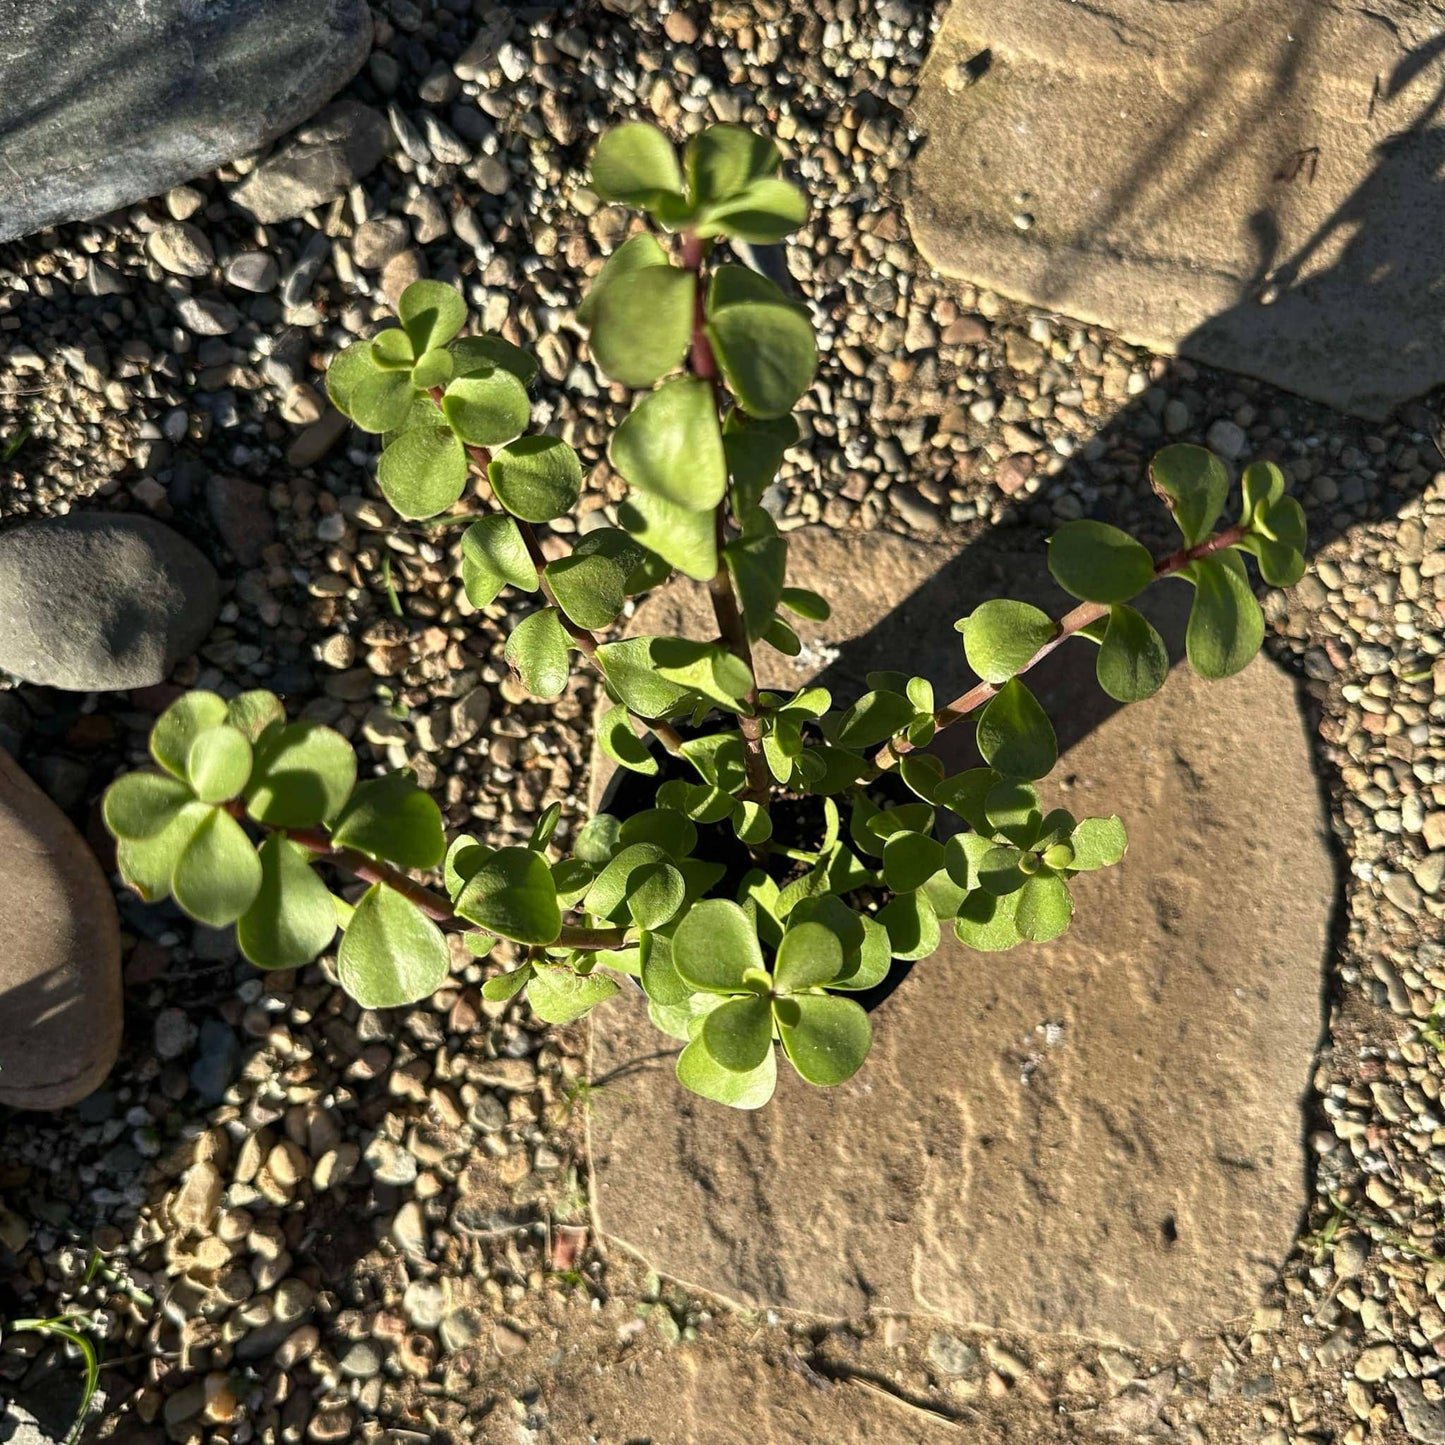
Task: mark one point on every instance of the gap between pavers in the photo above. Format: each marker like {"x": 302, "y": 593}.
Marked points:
{"x": 1101, "y": 1137}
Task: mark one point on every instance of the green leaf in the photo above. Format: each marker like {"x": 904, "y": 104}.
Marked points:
{"x": 635, "y": 254}
{"x": 375, "y": 398}
{"x": 826, "y": 1038}
{"x": 1194, "y": 486}
{"x": 670, "y": 446}
{"x": 472, "y": 355}
{"x": 607, "y": 897}
{"x": 293, "y": 917}
{"x": 1226, "y": 626}
{"x": 715, "y": 946}
{"x": 642, "y": 323}
{"x": 391, "y": 954}
{"x": 557, "y": 995}
{"x": 616, "y": 738}
{"x": 668, "y": 829}
{"x": 537, "y": 652}
{"x": 708, "y": 668}
{"x": 432, "y": 314}
{"x": 218, "y": 875}
{"x": 765, "y": 347}
{"x": 740, "y": 1033}
{"x": 807, "y": 605}
{"x": 179, "y": 725}
{"x": 536, "y": 478}
{"x": 1133, "y": 661}
{"x": 433, "y": 369}
{"x": 683, "y": 538}
{"x": 219, "y": 763}
{"x": 253, "y": 712}
{"x": 1097, "y": 843}
{"x": 392, "y": 818}
{"x": 780, "y": 635}
{"x": 487, "y": 409}
{"x": 811, "y": 954}
{"x": 590, "y": 587}
{"x": 723, "y": 160}
{"x": 988, "y": 923}
{"x": 495, "y": 556}
{"x": 965, "y": 793}
{"x": 1280, "y": 566}
{"x": 502, "y": 986}
{"x": 700, "y": 1073}
{"x": 910, "y": 860}
{"x": 628, "y": 668}
{"x": 1099, "y": 563}
{"x": 999, "y": 870}
{"x": 513, "y": 895}
{"x": 301, "y": 775}
{"x": 1261, "y": 484}
{"x": 874, "y": 718}
{"x": 1001, "y": 637}
{"x": 654, "y": 894}
{"x": 1044, "y": 908}
{"x": 762, "y": 214}
{"x": 872, "y": 961}
{"x": 752, "y": 823}
{"x": 598, "y": 840}
{"x": 635, "y": 164}
{"x": 140, "y": 805}
{"x": 392, "y": 350}
{"x": 754, "y": 449}
{"x": 911, "y": 924}
{"x": 1013, "y": 809}
{"x": 757, "y": 565}
{"x": 423, "y": 472}
{"x": 1015, "y": 735}
{"x": 147, "y": 864}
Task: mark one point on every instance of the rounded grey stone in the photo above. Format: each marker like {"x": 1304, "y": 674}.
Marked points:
{"x": 253, "y": 271}
{"x": 99, "y": 602}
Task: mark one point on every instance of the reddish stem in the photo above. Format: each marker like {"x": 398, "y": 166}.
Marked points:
{"x": 435, "y": 905}
{"x": 730, "y": 623}
{"x": 1069, "y": 624}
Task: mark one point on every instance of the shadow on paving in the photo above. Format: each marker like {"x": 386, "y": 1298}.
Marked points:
{"x": 1286, "y": 302}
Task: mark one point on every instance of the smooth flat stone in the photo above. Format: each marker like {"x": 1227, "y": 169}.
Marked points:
{"x": 1099, "y": 1137}
{"x": 99, "y": 601}
{"x": 1260, "y": 202}
{"x": 60, "y": 984}
{"x": 102, "y": 105}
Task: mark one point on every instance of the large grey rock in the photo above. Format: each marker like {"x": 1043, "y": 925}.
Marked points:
{"x": 1211, "y": 178}
{"x": 60, "y": 993}
{"x": 1099, "y": 1137}
{"x": 105, "y": 104}
{"x": 99, "y": 601}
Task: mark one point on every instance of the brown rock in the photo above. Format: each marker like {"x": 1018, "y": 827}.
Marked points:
{"x": 1281, "y": 223}
{"x": 60, "y": 987}
{"x": 1044, "y": 1139}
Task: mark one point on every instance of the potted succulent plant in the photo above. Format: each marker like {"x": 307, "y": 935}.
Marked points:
{"x": 746, "y": 958}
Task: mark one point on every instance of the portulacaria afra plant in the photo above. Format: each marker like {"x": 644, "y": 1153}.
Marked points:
{"x": 835, "y": 878}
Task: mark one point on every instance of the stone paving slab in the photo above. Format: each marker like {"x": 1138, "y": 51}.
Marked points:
{"x": 1229, "y": 180}
{"x": 1101, "y": 1137}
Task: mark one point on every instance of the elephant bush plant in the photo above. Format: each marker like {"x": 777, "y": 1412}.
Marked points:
{"x": 747, "y": 964}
